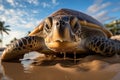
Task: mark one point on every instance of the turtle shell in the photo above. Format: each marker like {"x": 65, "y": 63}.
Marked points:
{"x": 84, "y": 19}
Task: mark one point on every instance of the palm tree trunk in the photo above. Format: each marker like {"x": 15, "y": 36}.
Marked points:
{"x": 1, "y": 45}
{"x": 2, "y": 41}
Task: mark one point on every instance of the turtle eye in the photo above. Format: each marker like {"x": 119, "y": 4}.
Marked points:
{"x": 74, "y": 23}
{"x": 48, "y": 24}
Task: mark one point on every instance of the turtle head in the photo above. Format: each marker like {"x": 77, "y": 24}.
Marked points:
{"x": 61, "y": 33}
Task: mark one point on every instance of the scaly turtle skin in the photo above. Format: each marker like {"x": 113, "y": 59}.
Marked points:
{"x": 65, "y": 31}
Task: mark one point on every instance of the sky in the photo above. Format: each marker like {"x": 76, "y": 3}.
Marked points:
{"x": 24, "y": 15}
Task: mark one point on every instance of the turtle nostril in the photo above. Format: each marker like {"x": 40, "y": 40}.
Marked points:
{"x": 57, "y": 23}
{"x": 62, "y": 22}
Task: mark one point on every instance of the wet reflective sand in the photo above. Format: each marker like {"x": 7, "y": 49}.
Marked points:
{"x": 88, "y": 68}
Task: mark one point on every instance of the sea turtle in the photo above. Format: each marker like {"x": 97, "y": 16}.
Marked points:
{"x": 67, "y": 31}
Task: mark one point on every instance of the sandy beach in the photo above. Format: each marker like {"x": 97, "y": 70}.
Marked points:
{"x": 91, "y": 67}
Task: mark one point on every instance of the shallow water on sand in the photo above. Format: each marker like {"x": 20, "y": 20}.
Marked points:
{"x": 88, "y": 68}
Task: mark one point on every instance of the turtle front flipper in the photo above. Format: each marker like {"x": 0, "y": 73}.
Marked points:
{"x": 18, "y": 48}
{"x": 104, "y": 46}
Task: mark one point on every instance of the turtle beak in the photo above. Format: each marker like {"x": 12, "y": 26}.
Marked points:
{"x": 61, "y": 32}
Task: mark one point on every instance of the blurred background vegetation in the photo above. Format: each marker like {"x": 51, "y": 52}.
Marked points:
{"x": 114, "y": 27}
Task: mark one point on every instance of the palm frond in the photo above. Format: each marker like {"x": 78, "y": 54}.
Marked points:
{"x": 7, "y": 26}
{"x": 3, "y": 28}
{"x": 6, "y": 32}
{"x": 7, "y": 29}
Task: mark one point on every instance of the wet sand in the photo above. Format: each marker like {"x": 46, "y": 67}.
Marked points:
{"x": 91, "y": 67}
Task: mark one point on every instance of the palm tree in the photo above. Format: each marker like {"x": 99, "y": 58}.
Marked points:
{"x": 0, "y": 42}
{"x": 3, "y": 29}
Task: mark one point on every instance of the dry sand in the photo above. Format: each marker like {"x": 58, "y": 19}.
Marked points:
{"x": 88, "y": 68}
